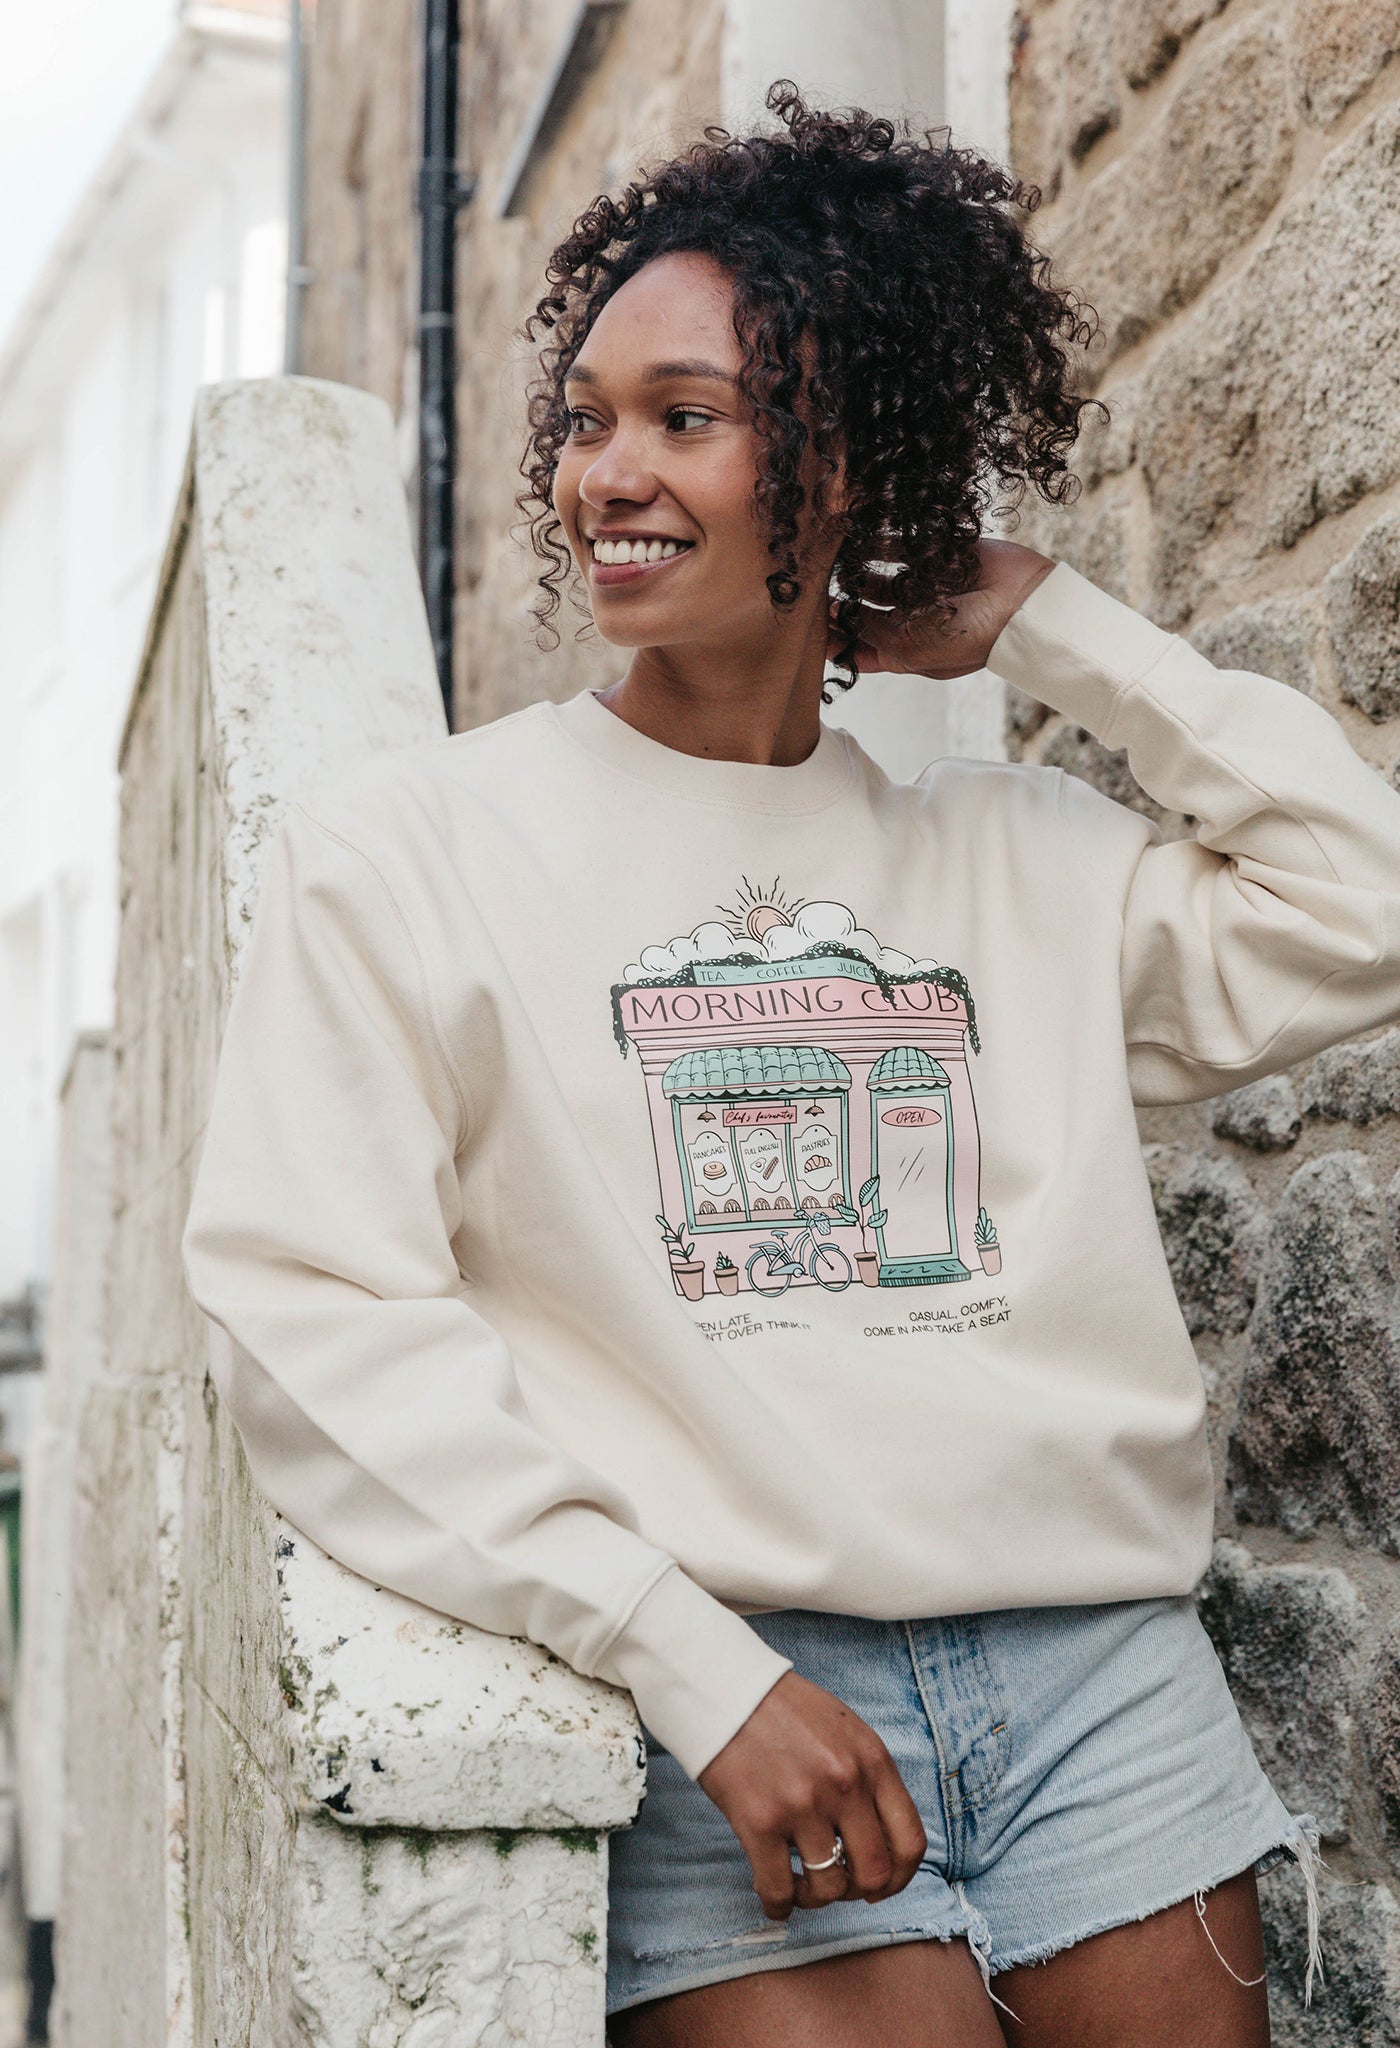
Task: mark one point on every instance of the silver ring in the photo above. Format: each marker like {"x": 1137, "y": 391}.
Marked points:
{"x": 838, "y": 1855}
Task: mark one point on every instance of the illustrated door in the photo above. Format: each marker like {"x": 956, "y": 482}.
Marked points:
{"x": 912, "y": 1152}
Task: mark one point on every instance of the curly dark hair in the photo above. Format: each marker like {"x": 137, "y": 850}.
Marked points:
{"x": 941, "y": 352}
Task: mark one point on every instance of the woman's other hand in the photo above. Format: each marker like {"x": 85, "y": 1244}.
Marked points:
{"x": 919, "y": 644}
{"x": 802, "y": 1770}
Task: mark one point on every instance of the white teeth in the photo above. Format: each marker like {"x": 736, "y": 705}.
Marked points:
{"x": 606, "y": 551}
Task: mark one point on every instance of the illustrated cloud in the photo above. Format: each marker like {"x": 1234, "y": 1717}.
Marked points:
{"x": 813, "y": 925}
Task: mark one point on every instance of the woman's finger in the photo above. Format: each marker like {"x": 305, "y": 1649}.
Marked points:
{"x": 869, "y": 1858}
{"x": 900, "y": 1823}
{"x": 770, "y": 1860}
{"x": 870, "y": 660}
{"x": 814, "y": 1839}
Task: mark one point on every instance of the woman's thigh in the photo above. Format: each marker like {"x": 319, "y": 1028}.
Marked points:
{"x": 1178, "y": 1976}
{"x": 1172, "y": 1978}
{"x": 919, "y": 1994}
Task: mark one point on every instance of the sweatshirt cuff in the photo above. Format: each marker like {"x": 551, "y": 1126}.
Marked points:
{"x": 695, "y": 1668}
{"x": 1077, "y": 649}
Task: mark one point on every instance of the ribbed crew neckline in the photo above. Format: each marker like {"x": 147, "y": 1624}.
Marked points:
{"x": 740, "y": 785}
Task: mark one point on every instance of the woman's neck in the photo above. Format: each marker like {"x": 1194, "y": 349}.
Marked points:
{"x": 759, "y": 706}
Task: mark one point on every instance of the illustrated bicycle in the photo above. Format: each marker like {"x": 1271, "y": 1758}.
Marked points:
{"x": 775, "y": 1262}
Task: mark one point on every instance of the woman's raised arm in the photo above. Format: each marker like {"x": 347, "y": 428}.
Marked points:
{"x": 1274, "y": 929}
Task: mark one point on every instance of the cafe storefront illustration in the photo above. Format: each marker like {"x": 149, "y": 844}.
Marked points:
{"x": 811, "y": 1108}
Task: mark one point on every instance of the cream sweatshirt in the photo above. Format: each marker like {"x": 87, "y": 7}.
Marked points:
{"x": 640, "y": 1188}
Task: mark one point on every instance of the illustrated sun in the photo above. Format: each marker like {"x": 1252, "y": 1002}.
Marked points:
{"x": 759, "y": 909}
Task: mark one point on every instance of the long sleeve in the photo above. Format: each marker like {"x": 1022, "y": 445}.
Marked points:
{"x": 1273, "y": 931}
{"x": 380, "y": 1413}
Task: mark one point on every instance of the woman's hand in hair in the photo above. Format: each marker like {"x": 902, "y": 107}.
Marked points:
{"x": 957, "y": 642}
{"x": 802, "y": 1770}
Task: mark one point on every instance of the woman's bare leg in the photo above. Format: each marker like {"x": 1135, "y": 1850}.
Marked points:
{"x": 919, "y": 1994}
{"x": 1156, "y": 1984}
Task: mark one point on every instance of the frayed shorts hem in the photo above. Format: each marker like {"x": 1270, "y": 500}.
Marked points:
{"x": 727, "y": 1966}
{"x": 1299, "y": 1840}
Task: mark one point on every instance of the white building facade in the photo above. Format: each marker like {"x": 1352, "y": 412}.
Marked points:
{"x": 170, "y": 275}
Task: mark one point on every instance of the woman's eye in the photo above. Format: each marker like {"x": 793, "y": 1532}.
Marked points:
{"x": 686, "y": 412}
{"x": 579, "y": 421}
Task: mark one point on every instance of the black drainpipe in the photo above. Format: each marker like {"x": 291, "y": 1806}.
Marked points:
{"x": 440, "y": 193}
{"x": 298, "y": 274}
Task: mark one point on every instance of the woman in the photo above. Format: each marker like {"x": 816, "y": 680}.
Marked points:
{"x": 676, "y": 1193}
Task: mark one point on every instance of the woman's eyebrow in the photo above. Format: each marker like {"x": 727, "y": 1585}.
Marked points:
{"x": 692, "y": 366}
{"x": 658, "y": 373}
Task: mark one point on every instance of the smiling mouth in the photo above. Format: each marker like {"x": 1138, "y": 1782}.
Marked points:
{"x": 626, "y": 561}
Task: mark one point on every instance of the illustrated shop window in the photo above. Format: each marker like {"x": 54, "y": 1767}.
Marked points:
{"x": 744, "y": 1161}
{"x": 710, "y": 1169}
{"x": 763, "y": 1153}
{"x": 760, "y": 1132}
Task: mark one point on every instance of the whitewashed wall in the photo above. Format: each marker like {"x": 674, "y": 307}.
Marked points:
{"x": 339, "y": 1819}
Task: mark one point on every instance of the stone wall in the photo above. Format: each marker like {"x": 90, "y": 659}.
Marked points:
{"x": 657, "y": 80}
{"x": 1222, "y": 179}
{"x": 362, "y": 86}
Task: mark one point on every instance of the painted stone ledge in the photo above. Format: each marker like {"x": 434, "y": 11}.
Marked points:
{"x": 448, "y": 1941}
{"x": 361, "y": 1824}
{"x": 400, "y": 1717}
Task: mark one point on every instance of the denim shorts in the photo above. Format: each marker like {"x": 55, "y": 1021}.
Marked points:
{"x": 1075, "y": 1768}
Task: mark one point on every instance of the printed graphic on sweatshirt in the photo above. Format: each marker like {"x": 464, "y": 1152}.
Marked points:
{"x": 811, "y": 1104}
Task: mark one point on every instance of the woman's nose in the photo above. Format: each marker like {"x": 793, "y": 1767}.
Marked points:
{"x": 618, "y": 471}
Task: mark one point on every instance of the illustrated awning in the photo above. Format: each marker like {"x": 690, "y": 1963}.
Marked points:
{"x": 907, "y": 1066}
{"x": 756, "y": 1069}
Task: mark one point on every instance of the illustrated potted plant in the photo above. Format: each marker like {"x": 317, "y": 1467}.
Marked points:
{"x": 987, "y": 1243}
{"x": 687, "y": 1271}
{"x": 871, "y": 1217}
{"x": 726, "y": 1274}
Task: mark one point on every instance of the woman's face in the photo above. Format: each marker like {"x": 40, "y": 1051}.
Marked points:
{"x": 661, "y": 460}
